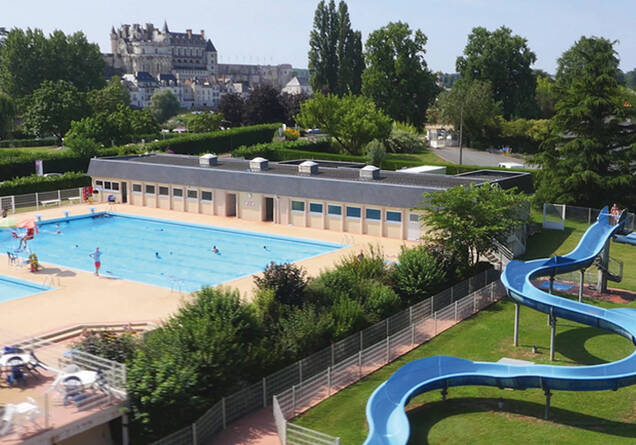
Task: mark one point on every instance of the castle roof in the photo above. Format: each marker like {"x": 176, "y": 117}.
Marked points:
{"x": 209, "y": 46}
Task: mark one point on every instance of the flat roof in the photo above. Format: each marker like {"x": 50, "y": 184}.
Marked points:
{"x": 392, "y": 189}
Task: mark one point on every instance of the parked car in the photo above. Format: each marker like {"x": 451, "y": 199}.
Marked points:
{"x": 48, "y": 175}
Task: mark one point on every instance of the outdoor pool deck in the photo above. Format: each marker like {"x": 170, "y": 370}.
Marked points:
{"x": 79, "y": 297}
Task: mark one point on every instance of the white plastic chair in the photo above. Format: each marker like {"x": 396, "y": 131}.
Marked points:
{"x": 7, "y": 419}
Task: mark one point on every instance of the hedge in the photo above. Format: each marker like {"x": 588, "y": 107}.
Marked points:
{"x": 17, "y": 163}
{"x": 269, "y": 150}
{"x": 34, "y": 183}
{"x": 10, "y": 143}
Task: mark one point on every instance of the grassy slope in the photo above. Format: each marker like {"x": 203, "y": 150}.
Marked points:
{"x": 471, "y": 415}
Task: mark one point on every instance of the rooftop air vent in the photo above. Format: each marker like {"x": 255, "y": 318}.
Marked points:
{"x": 207, "y": 160}
{"x": 258, "y": 164}
{"x": 308, "y": 168}
{"x": 369, "y": 172}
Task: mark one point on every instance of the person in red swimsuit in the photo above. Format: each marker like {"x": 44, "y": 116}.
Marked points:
{"x": 29, "y": 236}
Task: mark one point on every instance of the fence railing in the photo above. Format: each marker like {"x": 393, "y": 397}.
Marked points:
{"x": 369, "y": 345}
{"x": 35, "y": 201}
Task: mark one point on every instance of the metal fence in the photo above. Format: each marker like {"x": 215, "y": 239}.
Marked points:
{"x": 296, "y": 385}
{"x": 35, "y": 201}
{"x": 555, "y": 215}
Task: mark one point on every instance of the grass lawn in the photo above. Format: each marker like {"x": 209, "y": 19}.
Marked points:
{"x": 559, "y": 242}
{"x": 425, "y": 157}
{"x": 47, "y": 149}
{"x": 471, "y": 414}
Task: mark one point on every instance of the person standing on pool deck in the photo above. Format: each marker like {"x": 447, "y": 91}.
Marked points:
{"x": 96, "y": 257}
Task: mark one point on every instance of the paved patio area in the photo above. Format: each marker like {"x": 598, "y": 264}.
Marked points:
{"x": 80, "y": 297}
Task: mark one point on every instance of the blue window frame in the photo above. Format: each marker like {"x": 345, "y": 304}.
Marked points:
{"x": 374, "y": 214}
{"x": 395, "y": 217}
{"x": 334, "y": 210}
{"x": 353, "y": 212}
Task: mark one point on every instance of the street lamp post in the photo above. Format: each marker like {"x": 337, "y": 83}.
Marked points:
{"x": 461, "y": 129}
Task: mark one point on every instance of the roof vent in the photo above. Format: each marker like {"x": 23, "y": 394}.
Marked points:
{"x": 308, "y": 168}
{"x": 207, "y": 160}
{"x": 369, "y": 172}
{"x": 258, "y": 164}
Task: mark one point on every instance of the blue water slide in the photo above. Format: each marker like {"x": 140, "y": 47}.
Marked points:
{"x": 388, "y": 423}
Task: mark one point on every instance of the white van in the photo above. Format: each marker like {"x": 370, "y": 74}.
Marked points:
{"x": 510, "y": 165}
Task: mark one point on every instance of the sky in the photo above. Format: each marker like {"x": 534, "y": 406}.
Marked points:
{"x": 277, "y": 31}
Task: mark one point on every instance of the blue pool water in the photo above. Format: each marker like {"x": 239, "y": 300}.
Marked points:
{"x": 185, "y": 259}
{"x": 11, "y": 288}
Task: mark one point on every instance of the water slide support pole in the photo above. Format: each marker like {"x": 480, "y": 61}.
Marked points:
{"x": 516, "y": 334}
{"x": 581, "y": 284}
{"x": 552, "y": 334}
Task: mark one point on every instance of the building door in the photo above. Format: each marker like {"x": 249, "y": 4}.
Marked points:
{"x": 414, "y": 227}
{"x": 124, "y": 192}
{"x": 269, "y": 209}
{"x": 230, "y": 204}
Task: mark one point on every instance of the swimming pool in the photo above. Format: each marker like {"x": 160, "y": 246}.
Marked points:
{"x": 11, "y": 288}
{"x": 162, "y": 252}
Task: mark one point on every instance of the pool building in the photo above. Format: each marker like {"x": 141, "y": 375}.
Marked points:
{"x": 312, "y": 194}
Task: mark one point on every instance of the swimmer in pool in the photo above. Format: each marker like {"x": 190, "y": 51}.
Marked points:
{"x": 157, "y": 255}
{"x": 215, "y": 250}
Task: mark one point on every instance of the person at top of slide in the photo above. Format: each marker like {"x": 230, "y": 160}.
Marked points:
{"x": 96, "y": 256}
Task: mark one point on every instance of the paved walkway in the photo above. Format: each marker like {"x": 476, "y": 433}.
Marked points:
{"x": 470, "y": 156}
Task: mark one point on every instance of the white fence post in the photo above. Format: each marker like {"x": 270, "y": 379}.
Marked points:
{"x": 293, "y": 400}
{"x": 329, "y": 380}
{"x": 332, "y": 354}
{"x": 435, "y": 318}
{"x": 12, "y": 203}
{"x": 59, "y": 198}
{"x": 388, "y": 351}
{"x": 264, "y": 392}
{"x": 432, "y": 304}
{"x": 359, "y": 364}
{"x": 300, "y": 370}
{"x": 37, "y": 201}
{"x": 456, "y": 311}
{"x": 412, "y": 334}
{"x": 361, "y": 341}
{"x": 194, "y": 434}
{"x": 223, "y": 415}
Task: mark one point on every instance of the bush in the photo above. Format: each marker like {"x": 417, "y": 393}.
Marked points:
{"x": 291, "y": 134}
{"x": 404, "y": 142}
{"x": 382, "y": 302}
{"x": 272, "y": 150}
{"x": 375, "y": 153}
{"x": 349, "y": 316}
{"x": 303, "y": 332}
{"x": 34, "y": 183}
{"x": 417, "y": 275}
{"x": 108, "y": 344}
{"x": 42, "y": 142}
{"x": 287, "y": 280}
{"x": 81, "y": 146}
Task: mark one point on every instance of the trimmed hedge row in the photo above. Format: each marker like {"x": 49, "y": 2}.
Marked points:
{"x": 271, "y": 149}
{"x": 34, "y": 183}
{"x": 10, "y": 143}
{"x": 17, "y": 163}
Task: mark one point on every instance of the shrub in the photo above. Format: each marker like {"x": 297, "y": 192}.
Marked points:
{"x": 291, "y": 134}
{"x": 349, "y": 316}
{"x": 417, "y": 275}
{"x": 304, "y": 331}
{"x": 375, "y": 153}
{"x": 271, "y": 150}
{"x": 381, "y": 302}
{"x": 367, "y": 264}
{"x": 406, "y": 127}
{"x": 108, "y": 344}
{"x": 81, "y": 146}
{"x": 42, "y": 142}
{"x": 404, "y": 142}
{"x": 34, "y": 183}
{"x": 287, "y": 280}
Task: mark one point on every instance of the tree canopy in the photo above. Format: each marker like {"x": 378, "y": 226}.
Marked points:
{"x": 397, "y": 78}
{"x": 109, "y": 98}
{"x": 503, "y": 59}
{"x": 263, "y": 106}
{"x": 353, "y": 121}
{"x": 7, "y": 114}
{"x": 164, "y": 104}
{"x": 204, "y": 122}
{"x": 52, "y": 107}
{"x": 29, "y": 58}
{"x": 470, "y": 101}
{"x": 335, "y": 55}
{"x": 232, "y": 107}
{"x": 590, "y": 156}
{"x": 465, "y": 220}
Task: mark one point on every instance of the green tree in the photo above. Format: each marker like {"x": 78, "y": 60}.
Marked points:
{"x": 82, "y": 146}
{"x": 353, "y": 121}
{"x": 504, "y": 60}
{"x": 207, "y": 350}
{"x": 264, "y": 106}
{"x": 7, "y": 114}
{"x": 375, "y": 153}
{"x": 52, "y": 107}
{"x": 589, "y": 157}
{"x": 204, "y": 122}
{"x": 335, "y": 55}
{"x": 466, "y": 219}
{"x": 469, "y": 105}
{"x": 108, "y": 99}
{"x": 29, "y": 58}
{"x": 232, "y": 107}
{"x": 287, "y": 280}
{"x": 545, "y": 97}
{"x": 417, "y": 275}
{"x": 397, "y": 78}
{"x": 164, "y": 104}
{"x": 630, "y": 79}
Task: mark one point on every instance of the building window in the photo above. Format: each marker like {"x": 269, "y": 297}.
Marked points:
{"x": 298, "y": 206}
{"x": 206, "y": 196}
{"x": 136, "y": 188}
{"x": 353, "y": 212}
{"x": 177, "y": 193}
{"x": 150, "y": 189}
{"x": 99, "y": 183}
{"x": 315, "y": 207}
{"x": 373, "y": 214}
{"x": 115, "y": 186}
{"x": 193, "y": 194}
{"x": 164, "y": 191}
{"x": 395, "y": 217}
{"x": 334, "y": 210}
{"x": 107, "y": 185}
